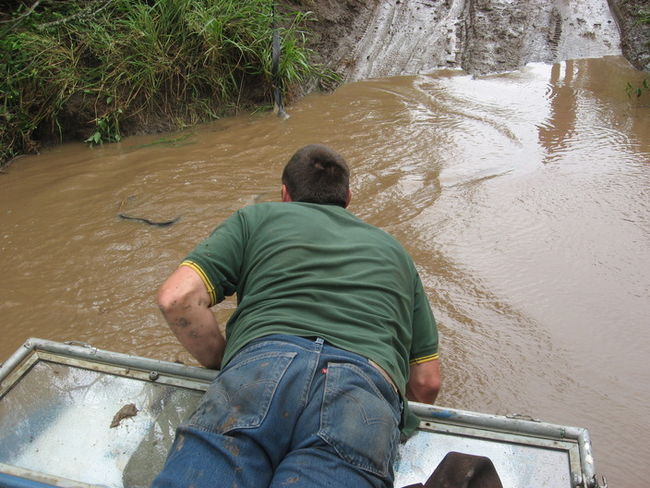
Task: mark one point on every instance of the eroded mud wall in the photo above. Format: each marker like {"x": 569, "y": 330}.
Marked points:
{"x": 502, "y": 35}
{"x": 635, "y": 35}
{"x": 481, "y": 36}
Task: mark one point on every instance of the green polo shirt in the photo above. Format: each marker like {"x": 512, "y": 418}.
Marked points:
{"x": 317, "y": 270}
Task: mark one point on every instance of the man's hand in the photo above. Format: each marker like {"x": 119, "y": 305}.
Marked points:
{"x": 424, "y": 382}
{"x": 185, "y": 304}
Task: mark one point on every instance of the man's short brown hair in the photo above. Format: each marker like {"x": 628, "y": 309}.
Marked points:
{"x": 317, "y": 174}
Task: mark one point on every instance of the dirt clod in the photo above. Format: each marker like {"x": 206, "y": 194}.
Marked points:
{"x": 128, "y": 410}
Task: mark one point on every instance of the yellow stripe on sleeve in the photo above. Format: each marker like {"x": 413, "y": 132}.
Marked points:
{"x": 204, "y": 278}
{"x": 424, "y": 359}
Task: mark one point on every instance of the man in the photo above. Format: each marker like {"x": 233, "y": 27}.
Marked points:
{"x": 332, "y": 331}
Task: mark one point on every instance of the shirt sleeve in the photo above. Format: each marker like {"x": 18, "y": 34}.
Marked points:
{"x": 219, "y": 258}
{"x": 424, "y": 345}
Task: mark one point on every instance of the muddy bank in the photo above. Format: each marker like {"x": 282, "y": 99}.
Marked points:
{"x": 373, "y": 38}
{"x": 635, "y": 35}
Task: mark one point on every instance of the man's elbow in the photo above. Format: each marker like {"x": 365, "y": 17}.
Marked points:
{"x": 169, "y": 300}
{"x": 425, "y": 390}
{"x": 435, "y": 383}
{"x": 424, "y": 381}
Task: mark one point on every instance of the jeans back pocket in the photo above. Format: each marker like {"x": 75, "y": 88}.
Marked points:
{"x": 358, "y": 421}
{"x": 240, "y": 396}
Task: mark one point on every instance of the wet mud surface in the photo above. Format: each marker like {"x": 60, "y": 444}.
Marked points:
{"x": 373, "y": 39}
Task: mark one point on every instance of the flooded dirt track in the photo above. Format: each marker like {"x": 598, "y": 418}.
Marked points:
{"x": 479, "y": 36}
{"x": 524, "y": 198}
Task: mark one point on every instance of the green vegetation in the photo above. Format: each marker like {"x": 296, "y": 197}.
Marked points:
{"x": 644, "y": 16}
{"x": 633, "y": 90}
{"x": 637, "y": 91}
{"x": 93, "y": 69}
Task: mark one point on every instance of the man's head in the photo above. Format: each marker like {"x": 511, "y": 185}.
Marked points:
{"x": 316, "y": 174}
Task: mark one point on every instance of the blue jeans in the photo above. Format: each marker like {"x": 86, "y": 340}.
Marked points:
{"x": 289, "y": 412}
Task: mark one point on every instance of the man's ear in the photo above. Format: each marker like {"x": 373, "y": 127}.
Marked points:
{"x": 285, "y": 194}
{"x": 348, "y": 198}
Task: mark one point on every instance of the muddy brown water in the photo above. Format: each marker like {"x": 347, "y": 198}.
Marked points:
{"x": 524, "y": 198}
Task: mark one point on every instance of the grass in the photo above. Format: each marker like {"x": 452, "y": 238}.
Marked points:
{"x": 644, "y": 87}
{"x": 95, "y": 67}
{"x": 644, "y": 16}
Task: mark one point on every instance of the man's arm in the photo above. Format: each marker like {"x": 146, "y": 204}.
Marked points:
{"x": 424, "y": 382}
{"x": 185, "y": 304}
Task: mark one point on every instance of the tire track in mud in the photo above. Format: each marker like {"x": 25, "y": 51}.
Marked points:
{"x": 407, "y": 36}
{"x": 479, "y": 36}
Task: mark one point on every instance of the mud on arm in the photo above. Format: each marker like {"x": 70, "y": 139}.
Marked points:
{"x": 185, "y": 304}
